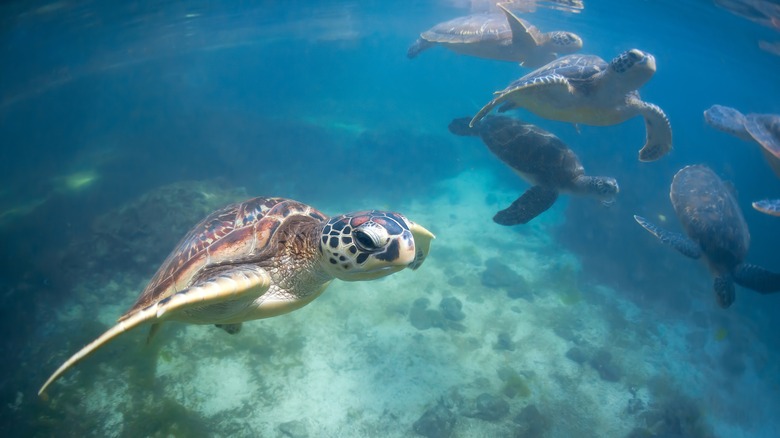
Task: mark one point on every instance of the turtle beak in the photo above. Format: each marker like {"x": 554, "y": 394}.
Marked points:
{"x": 422, "y": 244}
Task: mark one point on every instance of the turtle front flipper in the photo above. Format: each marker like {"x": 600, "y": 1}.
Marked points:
{"x": 768, "y": 206}
{"x": 530, "y": 204}
{"x": 757, "y": 278}
{"x": 522, "y": 35}
{"x": 677, "y": 241}
{"x": 658, "y": 130}
{"x": 724, "y": 290}
{"x": 518, "y": 88}
{"x": 243, "y": 282}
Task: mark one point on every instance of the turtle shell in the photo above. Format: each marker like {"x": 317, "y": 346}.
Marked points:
{"x": 710, "y": 215}
{"x": 537, "y": 154}
{"x": 470, "y": 29}
{"x": 765, "y": 129}
{"x": 231, "y": 233}
{"x": 572, "y": 67}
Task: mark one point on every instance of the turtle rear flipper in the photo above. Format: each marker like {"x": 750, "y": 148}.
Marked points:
{"x": 244, "y": 281}
{"x": 757, "y": 278}
{"x": 724, "y": 290}
{"x": 460, "y": 126}
{"x": 678, "y": 241}
{"x": 417, "y": 47}
{"x": 530, "y": 204}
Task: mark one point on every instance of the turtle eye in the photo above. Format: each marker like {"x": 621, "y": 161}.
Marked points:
{"x": 370, "y": 238}
{"x": 364, "y": 240}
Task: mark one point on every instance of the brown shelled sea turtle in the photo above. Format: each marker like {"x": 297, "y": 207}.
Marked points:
{"x": 265, "y": 257}
{"x": 585, "y": 89}
{"x": 504, "y": 37}
{"x": 715, "y": 229}
{"x": 540, "y": 158}
{"x": 763, "y": 129}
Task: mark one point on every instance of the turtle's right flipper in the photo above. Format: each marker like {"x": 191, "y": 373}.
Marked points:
{"x": 757, "y": 278}
{"x": 243, "y": 281}
{"x": 530, "y": 204}
{"x": 678, "y": 241}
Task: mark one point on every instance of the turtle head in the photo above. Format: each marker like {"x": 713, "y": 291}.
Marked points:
{"x": 634, "y": 67}
{"x": 372, "y": 244}
{"x": 564, "y": 43}
{"x": 604, "y": 188}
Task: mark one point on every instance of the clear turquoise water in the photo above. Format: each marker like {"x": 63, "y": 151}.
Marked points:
{"x": 103, "y": 102}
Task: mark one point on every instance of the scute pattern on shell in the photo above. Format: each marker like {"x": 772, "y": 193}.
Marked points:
{"x": 710, "y": 216}
{"x": 237, "y": 229}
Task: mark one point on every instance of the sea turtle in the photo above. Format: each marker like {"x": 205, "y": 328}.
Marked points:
{"x": 265, "y": 257}
{"x": 540, "y": 158}
{"x": 585, "y": 89}
{"x": 504, "y": 37}
{"x": 763, "y": 129}
{"x": 715, "y": 229}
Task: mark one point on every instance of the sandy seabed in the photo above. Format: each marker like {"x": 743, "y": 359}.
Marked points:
{"x": 535, "y": 353}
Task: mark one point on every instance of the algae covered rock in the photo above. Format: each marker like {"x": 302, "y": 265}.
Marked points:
{"x": 498, "y": 275}
{"x": 436, "y": 422}
{"x": 143, "y": 231}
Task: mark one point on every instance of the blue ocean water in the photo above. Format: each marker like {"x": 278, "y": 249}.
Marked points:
{"x": 122, "y": 123}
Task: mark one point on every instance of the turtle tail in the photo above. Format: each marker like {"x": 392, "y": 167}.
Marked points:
{"x": 460, "y": 126}
{"x": 757, "y": 278}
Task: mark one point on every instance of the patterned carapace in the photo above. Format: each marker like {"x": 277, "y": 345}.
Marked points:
{"x": 223, "y": 234}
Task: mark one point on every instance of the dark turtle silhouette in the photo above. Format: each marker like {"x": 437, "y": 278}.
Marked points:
{"x": 504, "y": 37}
{"x": 540, "y": 158}
{"x": 585, "y": 89}
{"x": 262, "y": 258}
{"x": 763, "y": 129}
{"x": 715, "y": 229}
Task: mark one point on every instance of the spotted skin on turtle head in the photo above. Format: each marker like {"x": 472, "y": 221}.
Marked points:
{"x": 367, "y": 242}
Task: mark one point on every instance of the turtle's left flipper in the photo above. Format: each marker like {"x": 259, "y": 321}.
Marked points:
{"x": 243, "y": 281}
{"x": 657, "y": 128}
{"x": 521, "y": 34}
{"x": 757, "y": 278}
{"x": 677, "y": 241}
{"x": 530, "y": 204}
{"x": 768, "y": 206}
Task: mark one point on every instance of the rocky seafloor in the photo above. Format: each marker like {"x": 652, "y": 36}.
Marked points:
{"x": 497, "y": 334}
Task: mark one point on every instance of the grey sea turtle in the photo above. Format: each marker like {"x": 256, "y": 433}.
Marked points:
{"x": 716, "y": 230}
{"x": 763, "y": 129}
{"x": 540, "y": 158}
{"x": 585, "y": 89}
{"x": 262, "y": 258}
{"x": 504, "y": 37}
